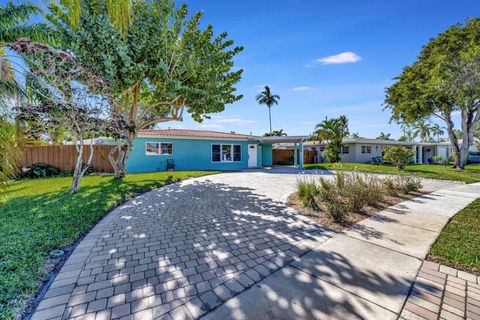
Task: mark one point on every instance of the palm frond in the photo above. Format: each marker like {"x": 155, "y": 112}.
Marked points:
{"x": 12, "y": 14}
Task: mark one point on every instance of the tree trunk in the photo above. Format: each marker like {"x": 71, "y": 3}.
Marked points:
{"x": 469, "y": 122}
{"x": 270, "y": 117}
{"x": 80, "y": 167}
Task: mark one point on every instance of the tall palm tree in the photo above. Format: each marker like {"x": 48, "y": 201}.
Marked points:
{"x": 267, "y": 98}
{"x": 384, "y": 136}
{"x": 355, "y": 135}
{"x": 437, "y": 131}
{"x": 409, "y": 135}
{"x": 423, "y": 130}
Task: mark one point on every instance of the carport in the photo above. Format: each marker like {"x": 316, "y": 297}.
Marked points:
{"x": 297, "y": 146}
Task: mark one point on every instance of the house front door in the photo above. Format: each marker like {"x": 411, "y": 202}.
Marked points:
{"x": 252, "y": 155}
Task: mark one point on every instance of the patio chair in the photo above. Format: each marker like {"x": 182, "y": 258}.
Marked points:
{"x": 170, "y": 165}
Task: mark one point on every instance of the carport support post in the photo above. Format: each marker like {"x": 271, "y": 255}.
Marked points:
{"x": 420, "y": 155}
{"x": 295, "y": 160}
{"x": 301, "y": 154}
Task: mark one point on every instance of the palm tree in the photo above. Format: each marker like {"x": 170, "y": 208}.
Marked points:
{"x": 276, "y": 133}
{"x": 13, "y": 25}
{"x": 9, "y": 151}
{"x": 355, "y": 135}
{"x": 423, "y": 130}
{"x": 437, "y": 131}
{"x": 267, "y": 98}
{"x": 332, "y": 131}
{"x": 384, "y": 136}
{"x": 409, "y": 135}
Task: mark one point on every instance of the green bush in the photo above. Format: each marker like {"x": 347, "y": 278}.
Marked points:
{"x": 355, "y": 190}
{"x": 41, "y": 170}
{"x": 337, "y": 209}
{"x": 307, "y": 190}
{"x": 375, "y": 190}
{"x": 410, "y": 184}
{"x": 399, "y": 155}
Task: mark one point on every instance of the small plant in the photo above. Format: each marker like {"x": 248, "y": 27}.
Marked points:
{"x": 401, "y": 184}
{"x": 307, "y": 190}
{"x": 409, "y": 185}
{"x": 40, "y": 170}
{"x": 337, "y": 209}
{"x": 399, "y": 155}
{"x": 326, "y": 190}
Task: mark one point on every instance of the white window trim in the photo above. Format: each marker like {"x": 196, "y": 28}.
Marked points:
{"x": 159, "y": 149}
{"x": 366, "y": 149}
{"x": 221, "y": 147}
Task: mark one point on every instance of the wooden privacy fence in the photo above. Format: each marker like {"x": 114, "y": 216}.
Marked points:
{"x": 285, "y": 156}
{"x": 64, "y": 157}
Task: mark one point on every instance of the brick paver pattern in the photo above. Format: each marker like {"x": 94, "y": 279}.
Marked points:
{"x": 177, "y": 252}
{"x": 441, "y": 292}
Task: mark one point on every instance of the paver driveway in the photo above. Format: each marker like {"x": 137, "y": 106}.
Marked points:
{"x": 181, "y": 250}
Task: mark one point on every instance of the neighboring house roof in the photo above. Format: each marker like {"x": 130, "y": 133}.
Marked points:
{"x": 377, "y": 141}
{"x": 187, "y": 133}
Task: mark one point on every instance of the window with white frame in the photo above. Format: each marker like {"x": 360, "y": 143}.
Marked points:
{"x": 345, "y": 149}
{"x": 226, "y": 152}
{"x": 158, "y": 148}
{"x": 366, "y": 149}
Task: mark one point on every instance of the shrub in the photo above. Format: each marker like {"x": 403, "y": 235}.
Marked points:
{"x": 399, "y": 155}
{"x": 410, "y": 184}
{"x": 401, "y": 184}
{"x": 337, "y": 209}
{"x": 355, "y": 191}
{"x": 307, "y": 190}
{"x": 362, "y": 189}
{"x": 326, "y": 190}
{"x": 40, "y": 170}
{"x": 375, "y": 191}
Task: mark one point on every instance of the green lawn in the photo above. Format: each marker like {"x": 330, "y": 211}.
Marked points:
{"x": 471, "y": 173}
{"x": 39, "y": 215}
{"x": 459, "y": 243}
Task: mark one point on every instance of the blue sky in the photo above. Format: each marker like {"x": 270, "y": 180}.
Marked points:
{"x": 285, "y": 42}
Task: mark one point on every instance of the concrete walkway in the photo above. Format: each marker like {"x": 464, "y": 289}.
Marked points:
{"x": 183, "y": 250}
{"x": 364, "y": 273}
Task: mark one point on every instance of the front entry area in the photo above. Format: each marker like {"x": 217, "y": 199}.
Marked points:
{"x": 252, "y": 156}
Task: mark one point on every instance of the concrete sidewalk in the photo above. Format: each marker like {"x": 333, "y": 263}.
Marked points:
{"x": 365, "y": 272}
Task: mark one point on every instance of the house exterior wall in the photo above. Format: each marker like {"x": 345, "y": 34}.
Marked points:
{"x": 267, "y": 155}
{"x": 188, "y": 154}
{"x": 443, "y": 151}
{"x": 350, "y": 156}
{"x": 375, "y": 149}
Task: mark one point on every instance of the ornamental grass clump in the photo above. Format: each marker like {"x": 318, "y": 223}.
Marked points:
{"x": 401, "y": 185}
{"x": 307, "y": 191}
{"x": 356, "y": 190}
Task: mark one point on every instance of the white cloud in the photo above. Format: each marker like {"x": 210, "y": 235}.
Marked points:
{"x": 304, "y": 88}
{"x": 236, "y": 120}
{"x": 344, "y": 57}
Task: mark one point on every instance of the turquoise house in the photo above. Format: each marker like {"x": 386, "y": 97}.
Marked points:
{"x": 156, "y": 150}
{"x": 159, "y": 150}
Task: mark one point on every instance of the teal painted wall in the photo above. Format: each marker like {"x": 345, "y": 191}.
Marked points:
{"x": 267, "y": 154}
{"x": 188, "y": 154}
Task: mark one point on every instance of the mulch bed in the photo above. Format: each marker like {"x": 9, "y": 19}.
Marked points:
{"x": 324, "y": 219}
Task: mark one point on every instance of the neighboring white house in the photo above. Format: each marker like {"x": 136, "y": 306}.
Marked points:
{"x": 364, "y": 150}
